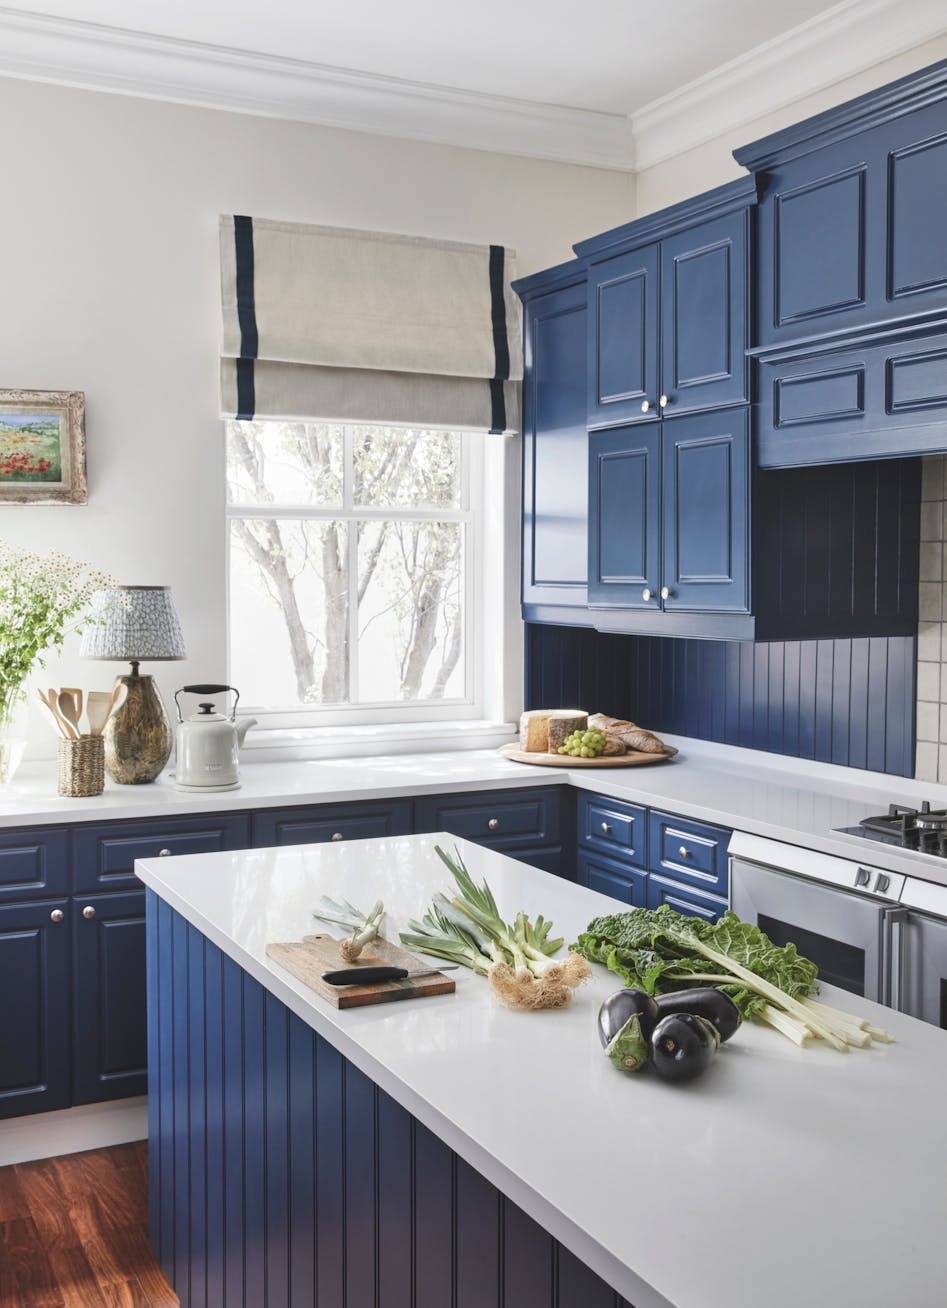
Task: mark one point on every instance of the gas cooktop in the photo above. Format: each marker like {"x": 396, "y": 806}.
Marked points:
{"x": 923, "y": 829}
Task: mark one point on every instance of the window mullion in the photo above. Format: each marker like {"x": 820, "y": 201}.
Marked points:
{"x": 348, "y": 500}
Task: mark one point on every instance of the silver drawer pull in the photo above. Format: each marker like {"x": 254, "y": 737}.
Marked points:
{"x": 337, "y": 835}
{"x": 493, "y": 824}
{"x": 683, "y": 852}
{"x": 606, "y": 829}
{"x": 164, "y": 853}
{"x": 56, "y": 915}
{"x": 88, "y": 912}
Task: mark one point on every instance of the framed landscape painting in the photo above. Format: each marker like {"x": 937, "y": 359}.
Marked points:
{"x": 42, "y": 447}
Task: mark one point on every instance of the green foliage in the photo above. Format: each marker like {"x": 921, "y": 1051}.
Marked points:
{"x": 658, "y": 950}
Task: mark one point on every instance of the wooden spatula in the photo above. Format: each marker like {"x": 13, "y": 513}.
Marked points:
{"x": 54, "y": 716}
{"x": 98, "y": 703}
{"x": 53, "y": 699}
{"x": 67, "y": 710}
{"x": 77, "y": 697}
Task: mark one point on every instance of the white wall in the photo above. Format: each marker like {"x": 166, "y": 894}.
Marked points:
{"x": 108, "y": 264}
{"x": 712, "y": 164}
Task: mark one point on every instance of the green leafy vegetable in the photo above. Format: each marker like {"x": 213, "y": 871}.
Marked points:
{"x": 658, "y": 950}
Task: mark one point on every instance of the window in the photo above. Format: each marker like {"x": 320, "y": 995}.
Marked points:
{"x": 352, "y": 581}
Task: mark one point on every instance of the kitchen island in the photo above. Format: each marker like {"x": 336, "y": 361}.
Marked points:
{"x": 445, "y": 1151}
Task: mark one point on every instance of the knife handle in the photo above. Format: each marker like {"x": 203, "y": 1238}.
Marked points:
{"x": 353, "y": 976}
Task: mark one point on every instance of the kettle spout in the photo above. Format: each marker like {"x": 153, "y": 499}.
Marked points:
{"x": 243, "y": 725}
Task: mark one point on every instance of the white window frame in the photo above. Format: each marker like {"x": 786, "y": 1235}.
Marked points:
{"x": 493, "y": 632}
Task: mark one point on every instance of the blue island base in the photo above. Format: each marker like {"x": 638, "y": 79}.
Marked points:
{"x": 282, "y": 1177}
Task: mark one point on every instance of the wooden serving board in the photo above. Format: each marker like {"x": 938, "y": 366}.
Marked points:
{"x": 632, "y": 760}
{"x": 309, "y": 958}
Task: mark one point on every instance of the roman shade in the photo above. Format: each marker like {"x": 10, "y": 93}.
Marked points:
{"x": 345, "y": 325}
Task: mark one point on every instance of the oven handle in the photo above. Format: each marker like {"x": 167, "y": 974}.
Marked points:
{"x": 895, "y": 920}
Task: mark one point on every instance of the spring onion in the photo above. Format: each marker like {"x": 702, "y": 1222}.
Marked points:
{"x": 364, "y": 926}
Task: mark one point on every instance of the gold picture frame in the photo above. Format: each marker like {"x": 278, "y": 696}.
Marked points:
{"x": 42, "y": 447}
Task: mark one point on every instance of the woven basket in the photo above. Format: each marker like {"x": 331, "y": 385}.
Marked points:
{"x": 82, "y": 766}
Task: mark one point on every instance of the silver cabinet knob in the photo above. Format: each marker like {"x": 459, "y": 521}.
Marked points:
{"x": 606, "y": 829}
{"x": 337, "y": 835}
{"x": 666, "y": 592}
{"x": 164, "y": 853}
{"x": 664, "y": 401}
{"x": 88, "y": 912}
{"x": 493, "y": 824}
{"x": 683, "y": 852}
{"x": 645, "y": 406}
{"x": 56, "y": 915}
{"x": 646, "y": 593}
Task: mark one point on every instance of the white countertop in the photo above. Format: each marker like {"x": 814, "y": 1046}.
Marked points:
{"x": 791, "y": 800}
{"x": 782, "y": 1177}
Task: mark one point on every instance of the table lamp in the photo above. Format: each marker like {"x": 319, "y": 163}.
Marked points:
{"x": 135, "y": 623}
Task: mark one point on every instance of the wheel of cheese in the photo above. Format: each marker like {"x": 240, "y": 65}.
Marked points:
{"x": 534, "y": 727}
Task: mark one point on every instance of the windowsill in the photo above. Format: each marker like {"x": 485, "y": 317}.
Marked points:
{"x": 284, "y": 743}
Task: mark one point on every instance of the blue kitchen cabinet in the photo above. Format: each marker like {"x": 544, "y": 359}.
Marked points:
{"x": 104, "y": 854}
{"x": 555, "y": 505}
{"x": 35, "y": 971}
{"x": 108, "y": 997}
{"x": 684, "y": 899}
{"x": 669, "y": 516}
{"x": 692, "y": 852}
{"x": 613, "y": 827}
{"x": 316, "y": 824}
{"x": 611, "y": 877}
{"x": 530, "y": 825}
{"x": 34, "y": 864}
{"x": 669, "y": 310}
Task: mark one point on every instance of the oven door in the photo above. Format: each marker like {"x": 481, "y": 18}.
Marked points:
{"x": 843, "y": 934}
{"x": 921, "y": 977}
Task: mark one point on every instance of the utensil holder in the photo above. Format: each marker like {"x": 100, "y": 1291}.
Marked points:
{"x": 82, "y": 766}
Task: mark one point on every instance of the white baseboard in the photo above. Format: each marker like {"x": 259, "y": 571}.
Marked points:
{"x": 71, "y": 1130}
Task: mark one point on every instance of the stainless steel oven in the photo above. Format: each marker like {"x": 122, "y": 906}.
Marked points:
{"x": 872, "y": 932}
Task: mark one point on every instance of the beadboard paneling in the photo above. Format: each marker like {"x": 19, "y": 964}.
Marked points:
{"x": 836, "y": 701}
{"x": 280, "y": 1174}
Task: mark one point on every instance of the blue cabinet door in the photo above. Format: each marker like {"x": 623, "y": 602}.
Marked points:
{"x": 706, "y": 484}
{"x": 34, "y": 863}
{"x": 704, "y": 314}
{"x": 623, "y": 370}
{"x": 504, "y": 819}
{"x": 684, "y": 899}
{"x": 625, "y": 516}
{"x": 34, "y": 1024}
{"x": 109, "y": 1027}
{"x": 611, "y": 877}
{"x": 105, "y": 855}
{"x": 555, "y": 452}
{"x": 324, "y": 822}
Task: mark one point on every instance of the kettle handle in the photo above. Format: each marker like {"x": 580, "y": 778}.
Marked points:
{"x": 203, "y": 689}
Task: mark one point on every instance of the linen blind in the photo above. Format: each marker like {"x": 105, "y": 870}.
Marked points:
{"x": 346, "y": 325}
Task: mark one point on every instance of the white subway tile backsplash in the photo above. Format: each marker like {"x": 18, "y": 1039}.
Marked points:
{"x": 932, "y": 520}
{"x": 930, "y": 601}
{"x": 932, "y": 478}
{"x": 930, "y": 637}
{"x": 928, "y": 682}
{"x": 925, "y": 763}
{"x": 932, "y": 560}
{"x": 927, "y": 720}
{"x": 931, "y": 720}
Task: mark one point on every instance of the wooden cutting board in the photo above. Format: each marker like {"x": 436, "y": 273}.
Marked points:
{"x": 309, "y": 958}
{"x": 635, "y": 760}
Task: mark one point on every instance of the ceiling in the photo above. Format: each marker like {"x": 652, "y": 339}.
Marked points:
{"x": 582, "y": 82}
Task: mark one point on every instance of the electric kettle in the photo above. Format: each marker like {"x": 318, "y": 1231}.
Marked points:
{"x": 208, "y": 742}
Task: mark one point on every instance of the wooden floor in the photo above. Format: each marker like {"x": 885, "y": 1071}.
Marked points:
{"x": 74, "y": 1234}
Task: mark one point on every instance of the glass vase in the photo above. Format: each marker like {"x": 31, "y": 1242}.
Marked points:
{"x": 14, "y": 718}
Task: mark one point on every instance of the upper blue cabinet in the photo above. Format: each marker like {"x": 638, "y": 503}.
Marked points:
{"x": 668, "y": 310}
{"x": 850, "y": 276}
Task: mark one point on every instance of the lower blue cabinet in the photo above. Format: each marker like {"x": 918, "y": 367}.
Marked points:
{"x": 684, "y": 899}
{"x": 317, "y": 825}
{"x": 527, "y": 824}
{"x": 34, "y": 1024}
{"x": 109, "y": 1029}
{"x": 610, "y": 877}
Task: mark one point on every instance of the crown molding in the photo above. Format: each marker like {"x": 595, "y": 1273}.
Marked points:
{"x": 93, "y": 57}
{"x": 845, "y": 40}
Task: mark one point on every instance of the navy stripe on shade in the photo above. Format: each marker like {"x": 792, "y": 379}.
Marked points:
{"x": 501, "y": 347}
{"x": 246, "y": 315}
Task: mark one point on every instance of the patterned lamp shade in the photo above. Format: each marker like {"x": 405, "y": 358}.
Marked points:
{"x": 133, "y": 623}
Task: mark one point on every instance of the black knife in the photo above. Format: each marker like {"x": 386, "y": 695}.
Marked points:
{"x": 357, "y": 976}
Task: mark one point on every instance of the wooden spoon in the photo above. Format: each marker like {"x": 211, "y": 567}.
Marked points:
{"x": 98, "y": 704}
{"x": 54, "y": 716}
{"x": 67, "y": 710}
{"x": 52, "y": 697}
{"x": 76, "y": 694}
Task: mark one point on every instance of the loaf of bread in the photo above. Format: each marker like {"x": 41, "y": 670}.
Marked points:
{"x": 614, "y": 745}
{"x": 611, "y": 725}
{"x": 634, "y": 738}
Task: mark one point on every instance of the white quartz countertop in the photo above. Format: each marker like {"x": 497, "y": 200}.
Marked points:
{"x": 790, "y": 800}
{"x": 782, "y": 1177}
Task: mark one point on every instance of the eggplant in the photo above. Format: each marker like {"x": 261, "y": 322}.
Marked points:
{"x": 683, "y": 1046}
{"x": 714, "y": 1005}
{"x": 626, "y": 1021}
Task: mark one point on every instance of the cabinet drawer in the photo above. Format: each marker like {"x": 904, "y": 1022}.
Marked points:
{"x": 501, "y": 819}
{"x": 316, "y": 826}
{"x": 690, "y": 851}
{"x": 33, "y": 863}
{"x": 684, "y": 899}
{"x": 105, "y": 855}
{"x": 610, "y": 877}
{"x": 614, "y": 827}
{"x": 549, "y": 860}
